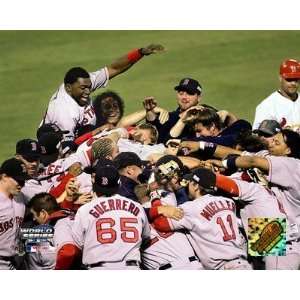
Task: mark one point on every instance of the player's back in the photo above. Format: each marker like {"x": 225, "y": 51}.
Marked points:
{"x": 168, "y": 248}
{"x": 110, "y": 229}
{"x": 214, "y": 230}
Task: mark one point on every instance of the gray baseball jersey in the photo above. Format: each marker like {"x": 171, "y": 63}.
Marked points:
{"x": 171, "y": 248}
{"x": 284, "y": 174}
{"x": 260, "y": 202}
{"x": 110, "y": 229}
{"x": 214, "y": 232}
{"x": 11, "y": 217}
{"x": 44, "y": 258}
{"x": 31, "y": 188}
{"x": 64, "y": 111}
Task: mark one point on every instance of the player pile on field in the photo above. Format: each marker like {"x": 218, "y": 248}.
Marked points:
{"x": 154, "y": 189}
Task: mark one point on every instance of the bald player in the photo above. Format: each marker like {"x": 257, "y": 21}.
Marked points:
{"x": 212, "y": 225}
{"x": 70, "y": 106}
{"x": 110, "y": 229}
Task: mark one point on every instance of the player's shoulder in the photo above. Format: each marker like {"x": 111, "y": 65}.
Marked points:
{"x": 65, "y": 222}
{"x": 291, "y": 161}
{"x": 274, "y": 99}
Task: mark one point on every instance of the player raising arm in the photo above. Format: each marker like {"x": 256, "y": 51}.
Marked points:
{"x": 70, "y": 106}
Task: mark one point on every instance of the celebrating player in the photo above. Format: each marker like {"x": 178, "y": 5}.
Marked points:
{"x": 70, "y": 106}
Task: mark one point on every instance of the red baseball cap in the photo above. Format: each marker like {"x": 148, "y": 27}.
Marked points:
{"x": 290, "y": 68}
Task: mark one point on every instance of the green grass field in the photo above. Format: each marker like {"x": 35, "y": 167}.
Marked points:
{"x": 237, "y": 69}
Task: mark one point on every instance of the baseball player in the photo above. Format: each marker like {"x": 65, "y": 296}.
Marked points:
{"x": 70, "y": 106}
{"x": 110, "y": 229}
{"x": 283, "y": 173}
{"x": 12, "y": 178}
{"x": 167, "y": 251}
{"x": 45, "y": 210}
{"x": 212, "y": 225}
{"x": 284, "y": 104}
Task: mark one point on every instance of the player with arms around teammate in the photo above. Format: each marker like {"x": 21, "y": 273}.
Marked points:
{"x": 109, "y": 230}
{"x": 212, "y": 223}
{"x": 70, "y": 106}
{"x": 284, "y": 104}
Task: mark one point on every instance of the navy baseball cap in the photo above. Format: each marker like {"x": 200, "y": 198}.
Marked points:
{"x": 15, "y": 169}
{"x": 50, "y": 127}
{"x": 189, "y": 85}
{"x": 49, "y": 143}
{"x": 101, "y": 162}
{"x": 268, "y": 128}
{"x": 29, "y": 149}
{"x": 107, "y": 180}
{"x": 204, "y": 177}
{"x": 125, "y": 159}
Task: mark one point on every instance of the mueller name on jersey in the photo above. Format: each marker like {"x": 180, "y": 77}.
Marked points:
{"x": 214, "y": 207}
{"x": 114, "y": 204}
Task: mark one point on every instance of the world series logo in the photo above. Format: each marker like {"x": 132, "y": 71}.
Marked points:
{"x": 36, "y": 239}
{"x": 267, "y": 236}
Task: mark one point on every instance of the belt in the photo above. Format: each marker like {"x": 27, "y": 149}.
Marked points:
{"x": 7, "y": 258}
{"x": 168, "y": 266}
{"x": 128, "y": 263}
{"x": 293, "y": 241}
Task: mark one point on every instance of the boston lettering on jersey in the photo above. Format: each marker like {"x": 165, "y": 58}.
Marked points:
{"x": 216, "y": 206}
{"x": 4, "y": 226}
{"x": 114, "y": 204}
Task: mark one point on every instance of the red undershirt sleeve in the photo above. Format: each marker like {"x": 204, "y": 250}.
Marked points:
{"x": 58, "y": 190}
{"x": 227, "y": 184}
{"x": 66, "y": 256}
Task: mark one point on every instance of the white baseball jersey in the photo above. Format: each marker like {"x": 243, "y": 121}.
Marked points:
{"x": 124, "y": 144}
{"x": 143, "y": 151}
{"x": 35, "y": 186}
{"x": 64, "y": 111}
{"x": 279, "y": 108}
{"x": 110, "y": 229}
{"x": 169, "y": 247}
{"x": 57, "y": 167}
{"x": 214, "y": 232}
{"x": 11, "y": 217}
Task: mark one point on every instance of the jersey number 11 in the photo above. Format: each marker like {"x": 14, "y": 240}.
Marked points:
{"x": 228, "y": 235}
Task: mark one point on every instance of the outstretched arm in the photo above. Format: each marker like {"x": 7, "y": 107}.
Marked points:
{"x": 212, "y": 149}
{"x": 132, "y": 119}
{"x": 247, "y": 162}
{"x": 125, "y": 62}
